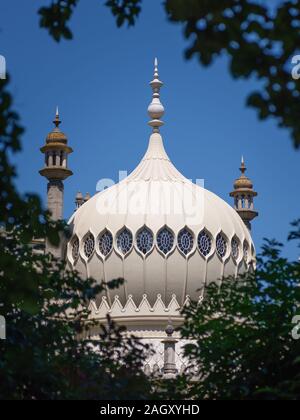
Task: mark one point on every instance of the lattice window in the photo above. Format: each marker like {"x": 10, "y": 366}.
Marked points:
{"x": 246, "y": 250}
{"x": 124, "y": 241}
{"x": 75, "y": 249}
{"x": 235, "y": 249}
{"x": 204, "y": 243}
{"x": 165, "y": 240}
{"x": 89, "y": 245}
{"x": 185, "y": 241}
{"x": 221, "y": 245}
{"x": 144, "y": 240}
{"x": 105, "y": 243}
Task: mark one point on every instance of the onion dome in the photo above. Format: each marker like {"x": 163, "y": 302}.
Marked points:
{"x": 56, "y": 136}
{"x": 243, "y": 181}
{"x": 164, "y": 235}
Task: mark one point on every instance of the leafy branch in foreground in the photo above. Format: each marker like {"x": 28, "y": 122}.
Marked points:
{"x": 241, "y": 335}
{"x": 55, "y": 17}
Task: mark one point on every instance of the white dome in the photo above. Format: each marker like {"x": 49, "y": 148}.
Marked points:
{"x": 165, "y": 236}
{"x": 204, "y": 238}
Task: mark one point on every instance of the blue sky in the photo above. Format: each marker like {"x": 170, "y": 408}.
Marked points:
{"x": 100, "y": 82}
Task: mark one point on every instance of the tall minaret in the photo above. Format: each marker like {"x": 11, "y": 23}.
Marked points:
{"x": 243, "y": 197}
{"x": 56, "y": 170}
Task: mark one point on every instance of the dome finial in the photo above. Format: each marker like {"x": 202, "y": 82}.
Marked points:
{"x": 156, "y": 109}
{"x": 155, "y": 68}
{"x": 243, "y": 166}
{"x": 56, "y": 120}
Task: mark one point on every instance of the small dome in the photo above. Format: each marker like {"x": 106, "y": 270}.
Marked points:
{"x": 56, "y": 136}
{"x": 243, "y": 182}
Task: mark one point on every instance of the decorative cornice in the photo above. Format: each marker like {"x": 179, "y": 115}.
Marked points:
{"x": 54, "y": 146}
{"x": 144, "y": 311}
{"x": 56, "y": 172}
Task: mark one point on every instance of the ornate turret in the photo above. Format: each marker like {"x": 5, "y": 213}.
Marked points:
{"x": 56, "y": 170}
{"x": 243, "y": 197}
{"x": 79, "y": 200}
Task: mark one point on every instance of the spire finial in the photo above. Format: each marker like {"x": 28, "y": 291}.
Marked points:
{"x": 56, "y": 120}
{"x": 156, "y": 109}
{"x": 155, "y": 68}
{"x": 243, "y": 166}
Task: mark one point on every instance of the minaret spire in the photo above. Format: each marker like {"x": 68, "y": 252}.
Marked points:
{"x": 56, "y": 120}
{"x": 243, "y": 195}
{"x": 243, "y": 166}
{"x": 156, "y": 109}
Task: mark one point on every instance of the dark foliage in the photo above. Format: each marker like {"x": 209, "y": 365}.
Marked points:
{"x": 242, "y": 343}
{"x": 56, "y": 16}
{"x": 48, "y": 353}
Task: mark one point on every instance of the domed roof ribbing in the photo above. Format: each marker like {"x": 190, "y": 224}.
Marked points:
{"x": 166, "y": 236}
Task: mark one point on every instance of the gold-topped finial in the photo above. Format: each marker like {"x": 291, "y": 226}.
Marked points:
{"x": 56, "y": 135}
{"x": 243, "y": 166}
{"x": 57, "y": 120}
